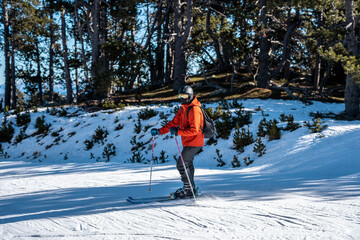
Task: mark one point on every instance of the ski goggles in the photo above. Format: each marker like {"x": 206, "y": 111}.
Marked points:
{"x": 183, "y": 95}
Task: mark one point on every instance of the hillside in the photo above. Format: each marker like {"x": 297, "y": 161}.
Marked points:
{"x": 304, "y": 186}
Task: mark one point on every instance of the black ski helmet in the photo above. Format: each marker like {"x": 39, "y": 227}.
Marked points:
{"x": 186, "y": 90}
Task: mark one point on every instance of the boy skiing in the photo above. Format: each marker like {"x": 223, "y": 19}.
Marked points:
{"x": 189, "y": 125}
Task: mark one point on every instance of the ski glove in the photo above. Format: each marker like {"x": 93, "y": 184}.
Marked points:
{"x": 155, "y": 132}
{"x": 173, "y": 131}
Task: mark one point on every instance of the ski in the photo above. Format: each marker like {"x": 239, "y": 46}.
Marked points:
{"x": 171, "y": 197}
{"x": 149, "y": 199}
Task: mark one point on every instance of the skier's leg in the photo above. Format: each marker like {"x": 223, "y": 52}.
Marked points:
{"x": 188, "y": 154}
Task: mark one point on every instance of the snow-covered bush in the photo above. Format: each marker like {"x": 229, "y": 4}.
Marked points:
{"x": 42, "y": 126}
{"x": 6, "y": 131}
{"x": 259, "y": 147}
{"x": 242, "y": 138}
{"x": 235, "y": 162}
{"x": 147, "y": 113}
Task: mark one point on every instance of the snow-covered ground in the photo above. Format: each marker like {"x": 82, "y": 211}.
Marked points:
{"x": 304, "y": 187}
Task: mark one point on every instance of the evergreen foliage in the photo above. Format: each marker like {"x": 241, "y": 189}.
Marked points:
{"x": 219, "y": 158}
{"x": 23, "y": 119}
{"x": 109, "y": 150}
{"x": 317, "y": 126}
{"x": 147, "y": 113}
{"x": 6, "y": 131}
{"x": 100, "y": 135}
{"x": 42, "y": 126}
{"x": 235, "y": 162}
{"x": 242, "y": 138}
{"x": 136, "y": 146}
{"x": 119, "y": 127}
{"x": 248, "y": 161}
{"x": 22, "y": 135}
{"x": 262, "y": 128}
{"x": 273, "y": 130}
{"x": 137, "y": 157}
{"x": 163, "y": 158}
{"x": 138, "y": 126}
{"x": 291, "y": 126}
{"x": 259, "y": 147}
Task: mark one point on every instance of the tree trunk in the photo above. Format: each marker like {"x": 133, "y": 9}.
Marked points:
{"x": 13, "y": 76}
{"x": 169, "y": 44}
{"x": 181, "y": 36}
{"x": 284, "y": 65}
{"x": 351, "y": 44}
{"x": 76, "y": 68}
{"x": 317, "y": 73}
{"x": 51, "y": 59}
{"x": 7, "y": 54}
{"x": 215, "y": 40}
{"x": 69, "y": 97}
{"x": 104, "y": 38}
{"x": 159, "y": 51}
{"x": 95, "y": 47}
{"x": 38, "y": 76}
{"x": 263, "y": 77}
{"x": 83, "y": 55}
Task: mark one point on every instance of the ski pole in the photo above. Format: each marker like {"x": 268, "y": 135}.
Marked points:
{"x": 187, "y": 175}
{"x": 152, "y": 158}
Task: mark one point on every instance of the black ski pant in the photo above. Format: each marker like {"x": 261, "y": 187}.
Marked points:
{"x": 188, "y": 154}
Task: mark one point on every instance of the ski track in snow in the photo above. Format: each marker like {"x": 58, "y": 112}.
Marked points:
{"x": 304, "y": 187}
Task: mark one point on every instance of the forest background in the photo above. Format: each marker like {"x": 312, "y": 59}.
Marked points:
{"x": 106, "y": 49}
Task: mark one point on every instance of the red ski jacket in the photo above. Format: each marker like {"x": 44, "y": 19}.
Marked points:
{"x": 189, "y": 128}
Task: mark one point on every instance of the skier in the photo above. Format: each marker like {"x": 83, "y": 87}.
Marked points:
{"x": 188, "y": 125}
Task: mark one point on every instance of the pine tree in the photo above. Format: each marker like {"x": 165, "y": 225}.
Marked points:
{"x": 316, "y": 126}
{"x": 262, "y": 128}
{"x": 219, "y": 158}
{"x": 242, "y": 138}
{"x": 248, "y": 161}
{"x": 274, "y": 130}
{"x": 259, "y": 147}
{"x": 235, "y": 162}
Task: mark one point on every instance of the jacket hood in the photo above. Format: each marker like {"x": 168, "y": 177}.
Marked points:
{"x": 194, "y": 102}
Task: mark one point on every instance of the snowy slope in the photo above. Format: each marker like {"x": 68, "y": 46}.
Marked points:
{"x": 303, "y": 187}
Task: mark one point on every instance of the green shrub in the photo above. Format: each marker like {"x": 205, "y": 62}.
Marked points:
{"x": 219, "y": 158}
{"x": 259, "y": 147}
{"x": 55, "y": 134}
{"x": 108, "y": 104}
{"x": 138, "y": 126}
{"x": 23, "y": 119}
{"x": 88, "y": 144}
{"x": 273, "y": 130}
{"x": 242, "y": 139}
{"x": 42, "y": 127}
{"x": 6, "y": 131}
{"x": 137, "y": 157}
{"x": 147, "y": 113}
{"x": 248, "y": 161}
{"x": 137, "y": 146}
{"x": 291, "y": 126}
{"x": 100, "y": 135}
{"x": 235, "y": 162}
{"x": 109, "y": 150}
{"x": 21, "y": 135}
{"x": 262, "y": 128}
{"x": 119, "y": 127}
{"x": 163, "y": 158}
{"x": 316, "y": 126}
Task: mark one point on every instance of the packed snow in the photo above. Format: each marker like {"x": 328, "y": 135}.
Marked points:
{"x": 303, "y": 187}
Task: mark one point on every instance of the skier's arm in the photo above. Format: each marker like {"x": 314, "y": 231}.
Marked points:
{"x": 195, "y": 116}
{"x": 173, "y": 123}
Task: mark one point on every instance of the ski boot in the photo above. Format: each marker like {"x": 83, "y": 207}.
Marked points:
{"x": 184, "y": 192}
